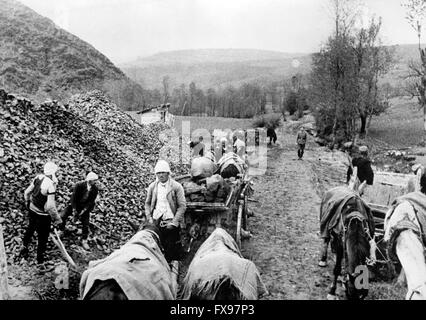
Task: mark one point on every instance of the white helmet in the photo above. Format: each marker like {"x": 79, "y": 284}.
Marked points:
{"x": 162, "y": 166}
{"x": 92, "y": 176}
{"x": 50, "y": 168}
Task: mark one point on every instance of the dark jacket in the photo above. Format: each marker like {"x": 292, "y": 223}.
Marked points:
{"x": 365, "y": 172}
{"x": 302, "y": 137}
{"x": 81, "y": 198}
{"x": 271, "y": 134}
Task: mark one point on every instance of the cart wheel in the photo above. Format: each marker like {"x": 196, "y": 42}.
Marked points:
{"x": 245, "y": 213}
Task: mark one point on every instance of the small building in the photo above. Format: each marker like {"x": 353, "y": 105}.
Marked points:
{"x": 156, "y": 114}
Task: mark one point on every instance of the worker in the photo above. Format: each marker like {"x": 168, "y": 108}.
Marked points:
{"x": 165, "y": 206}
{"x": 363, "y": 163}
{"x": 272, "y": 135}
{"x": 40, "y": 201}
{"x": 197, "y": 147}
{"x": 239, "y": 145}
{"x": 301, "y": 142}
{"x": 82, "y": 203}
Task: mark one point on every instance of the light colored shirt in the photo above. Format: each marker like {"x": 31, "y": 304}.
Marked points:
{"x": 47, "y": 187}
{"x": 162, "y": 208}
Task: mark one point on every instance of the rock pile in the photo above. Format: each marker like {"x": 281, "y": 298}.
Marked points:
{"x": 88, "y": 134}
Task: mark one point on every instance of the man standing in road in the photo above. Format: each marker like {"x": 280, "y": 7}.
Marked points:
{"x": 82, "y": 203}
{"x": 301, "y": 142}
{"x": 40, "y": 200}
{"x": 165, "y": 206}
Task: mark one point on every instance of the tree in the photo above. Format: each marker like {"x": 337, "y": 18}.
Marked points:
{"x": 415, "y": 14}
{"x": 166, "y": 86}
{"x": 372, "y": 61}
{"x": 345, "y": 74}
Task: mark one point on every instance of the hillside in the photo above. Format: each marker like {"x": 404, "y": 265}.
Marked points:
{"x": 220, "y": 67}
{"x": 403, "y": 55}
{"x": 215, "y": 67}
{"x": 40, "y": 60}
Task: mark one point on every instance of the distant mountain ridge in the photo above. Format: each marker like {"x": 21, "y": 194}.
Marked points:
{"x": 196, "y": 56}
{"x": 216, "y": 67}
{"x": 40, "y": 60}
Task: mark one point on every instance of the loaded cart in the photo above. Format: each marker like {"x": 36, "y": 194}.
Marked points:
{"x": 231, "y": 214}
{"x": 386, "y": 188}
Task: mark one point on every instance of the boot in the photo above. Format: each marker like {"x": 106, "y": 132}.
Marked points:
{"x": 40, "y": 258}
{"x": 24, "y": 253}
{"x": 85, "y": 244}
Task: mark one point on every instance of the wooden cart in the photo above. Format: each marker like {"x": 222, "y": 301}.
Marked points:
{"x": 387, "y": 186}
{"x": 230, "y": 215}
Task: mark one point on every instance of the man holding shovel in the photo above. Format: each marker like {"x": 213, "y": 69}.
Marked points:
{"x": 40, "y": 201}
{"x": 82, "y": 203}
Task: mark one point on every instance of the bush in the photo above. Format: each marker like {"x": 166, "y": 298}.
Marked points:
{"x": 269, "y": 121}
{"x": 291, "y": 103}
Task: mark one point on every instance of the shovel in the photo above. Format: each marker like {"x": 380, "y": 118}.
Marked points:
{"x": 57, "y": 241}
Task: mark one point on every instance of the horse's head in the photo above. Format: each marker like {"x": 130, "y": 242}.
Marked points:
{"x": 357, "y": 252}
{"x": 154, "y": 230}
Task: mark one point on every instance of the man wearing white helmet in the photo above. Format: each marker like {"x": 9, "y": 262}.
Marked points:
{"x": 40, "y": 200}
{"x": 239, "y": 145}
{"x": 82, "y": 203}
{"x": 165, "y": 206}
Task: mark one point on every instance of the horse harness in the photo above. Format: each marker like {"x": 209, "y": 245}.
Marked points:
{"x": 345, "y": 222}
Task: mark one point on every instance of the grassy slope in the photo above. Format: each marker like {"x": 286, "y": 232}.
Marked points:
{"x": 401, "y": 126}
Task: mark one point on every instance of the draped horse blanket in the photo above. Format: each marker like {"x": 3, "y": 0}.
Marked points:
{"x": 334, "y": 203}
{"x": 418, "y": 201}
{"x": 138, "y": 267}
{"x": 219, "y": 259}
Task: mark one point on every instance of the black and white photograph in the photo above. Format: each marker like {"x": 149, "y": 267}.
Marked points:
{"x": 227, "y": 151}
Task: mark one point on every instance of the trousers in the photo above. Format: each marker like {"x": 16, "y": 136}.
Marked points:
{"x": 171, "y": 242}
{"x": 42, "y": 225}
{"x": 301, "y": 150}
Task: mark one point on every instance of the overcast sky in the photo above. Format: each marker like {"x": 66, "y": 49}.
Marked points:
{"x": 126, "y": 29}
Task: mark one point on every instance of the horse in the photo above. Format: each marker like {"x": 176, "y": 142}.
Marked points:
{"x": 404, "y": 225}
{"x": 346, "y": 221}
{"x": 218, "y": 271}
{"x": 136, "y": 271}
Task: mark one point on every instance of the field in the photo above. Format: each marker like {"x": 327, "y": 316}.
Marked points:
{"x": 401, "y": 126}
{"x": 211, "y": 123}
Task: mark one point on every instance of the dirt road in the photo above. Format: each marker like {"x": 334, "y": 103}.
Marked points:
{"x": 285, "y": 244}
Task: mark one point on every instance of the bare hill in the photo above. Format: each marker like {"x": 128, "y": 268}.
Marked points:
{"x": 40, "y": 60}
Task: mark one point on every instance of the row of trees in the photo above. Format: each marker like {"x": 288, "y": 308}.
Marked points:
{"x": 345, "y": 74}
{"x": 244, "y": 101}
